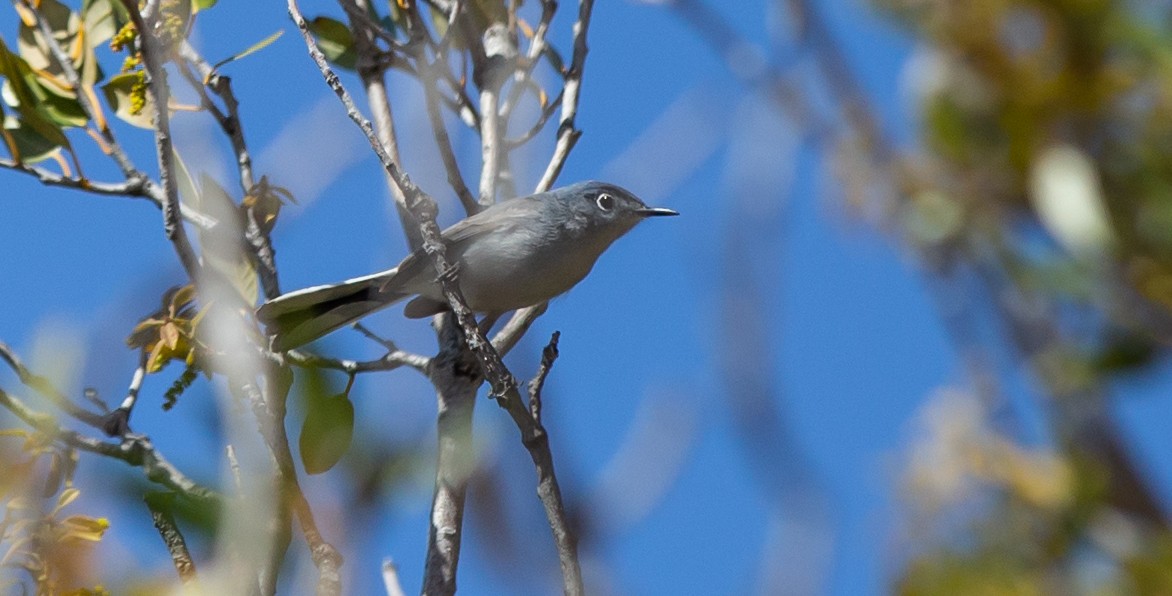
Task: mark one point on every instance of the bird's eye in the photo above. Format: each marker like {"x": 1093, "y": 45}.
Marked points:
{"x": 605, "y": 202}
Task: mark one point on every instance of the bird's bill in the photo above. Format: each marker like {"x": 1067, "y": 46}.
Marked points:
{"x": 656, "y": 211}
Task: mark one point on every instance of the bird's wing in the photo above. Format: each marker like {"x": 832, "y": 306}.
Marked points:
{"x": 498, "y": 218}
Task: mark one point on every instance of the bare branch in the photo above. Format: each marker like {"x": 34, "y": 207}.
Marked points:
{"x": 548, "y": 355}
{"x": 393, "y": 359}
{"x": 134, "y": 450}
{"x": 173, "y": 538}
{"x": 391, "y": 579}
{"x": 140, "y": 188}
{"x": 45, "y": 387}
{"x": 372, "y": 72}
{"x": 152, "y": 54}
{"x": 567, "y": 134}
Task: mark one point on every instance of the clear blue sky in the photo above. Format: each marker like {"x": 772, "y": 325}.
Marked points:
{"x": 855, "y": 347}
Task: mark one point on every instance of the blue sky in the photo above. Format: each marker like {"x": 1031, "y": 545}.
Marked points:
{"x": 854, "y": 343}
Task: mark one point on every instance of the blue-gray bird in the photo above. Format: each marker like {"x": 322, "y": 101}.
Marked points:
{"x": 514, "y": 254}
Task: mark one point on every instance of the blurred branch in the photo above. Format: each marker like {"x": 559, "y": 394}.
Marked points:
{"x": 134, "y": 450}
{"x": 173, "y": 538}
{"x": 391, "y": 581}
{"x": 45, "y": 387}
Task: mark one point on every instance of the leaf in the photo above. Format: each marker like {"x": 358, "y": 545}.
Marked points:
{"x": 328, "y": 428}
{"x": 252, "y": 49}
{"x": 198, "y": 5}
{"x": 126, "y": 92}
{"x": 31, "y": 146}
{"x": 18, "y": 94}
{"x": 335, "y": 41}
{"x": 101, "y": 19}
{"x": 83, "y": 527}
{"x": 223, "y": 244}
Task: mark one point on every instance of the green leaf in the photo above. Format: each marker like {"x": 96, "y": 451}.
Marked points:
{"x": 198, "y": 5}
{"x": 31, "y": 145}
{"x": 256, "y": 47}
{"x": 120, "y": 93}
{"x": 102, "y": 19}
{"x": 328, "y": 428}
{"x": 33, "y": 126}
{"x": 222, "y": 245}
{"x": 335, "y": 41}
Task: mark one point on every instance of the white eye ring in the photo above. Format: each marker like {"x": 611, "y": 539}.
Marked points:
{"x": 605, "y": 202}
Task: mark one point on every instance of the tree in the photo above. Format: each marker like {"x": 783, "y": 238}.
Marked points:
{"x": 206, "y": 323}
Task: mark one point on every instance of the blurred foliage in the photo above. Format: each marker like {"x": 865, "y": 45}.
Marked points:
{"x": 1046, "y": 172}
{"x": 36, "y": 537}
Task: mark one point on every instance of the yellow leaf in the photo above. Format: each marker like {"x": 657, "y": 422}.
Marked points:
{"x": 169, "y": 334}
{"x": 82, "y": 527}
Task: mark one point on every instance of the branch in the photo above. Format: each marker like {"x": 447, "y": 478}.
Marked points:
{"x": 261, "y": 254}
{"x": 134, "y": 450}
{"x": 173, "y": 538}
{"x": 45, "y": 387}
{"x": 374, "y": 82}
{"x": 548, "y": 356}
{"x": 393, "y": 359}
{"x": 140, "y": 188}
{"x": 152, "y": 53}
{"x": 504, "y": 385}
{"x": 567, "y": 134}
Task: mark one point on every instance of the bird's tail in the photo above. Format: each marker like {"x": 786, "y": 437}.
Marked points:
{"x": 300, "y": 317}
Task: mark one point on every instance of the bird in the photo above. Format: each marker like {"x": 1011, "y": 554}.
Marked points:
{"x": 513, "y": 254}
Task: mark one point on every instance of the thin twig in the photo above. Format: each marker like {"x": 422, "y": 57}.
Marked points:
{"x": 45, "y": 387}
{"x": 117, "y": 422}
{"x": 261, "y": 251}
{"x": 371, "y": 71}
{"x": 567, "y": 134}
{"x": 443, "y": 141}
{"x": 537, "y": 46}
{"x": 137, "y": 188}
{"x": 391, "y": 361}
{"x": 538, "y": 126}
{"x": 548, "y": 355}
{"x": 135, "y": 450}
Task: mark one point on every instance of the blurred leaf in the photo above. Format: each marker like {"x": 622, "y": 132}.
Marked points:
{"x": 33, "y": 130}
{"x": 84, "y": 528}
{"x": 328, "y": 428}
{"x": 199, "y": 5}
{"x": 102, "y": 19}
{"x": 335, "y": 41}
{"x": 252, "y": 49}
{"x": 126, "y": 93}
{"x": 223, "y": 245}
